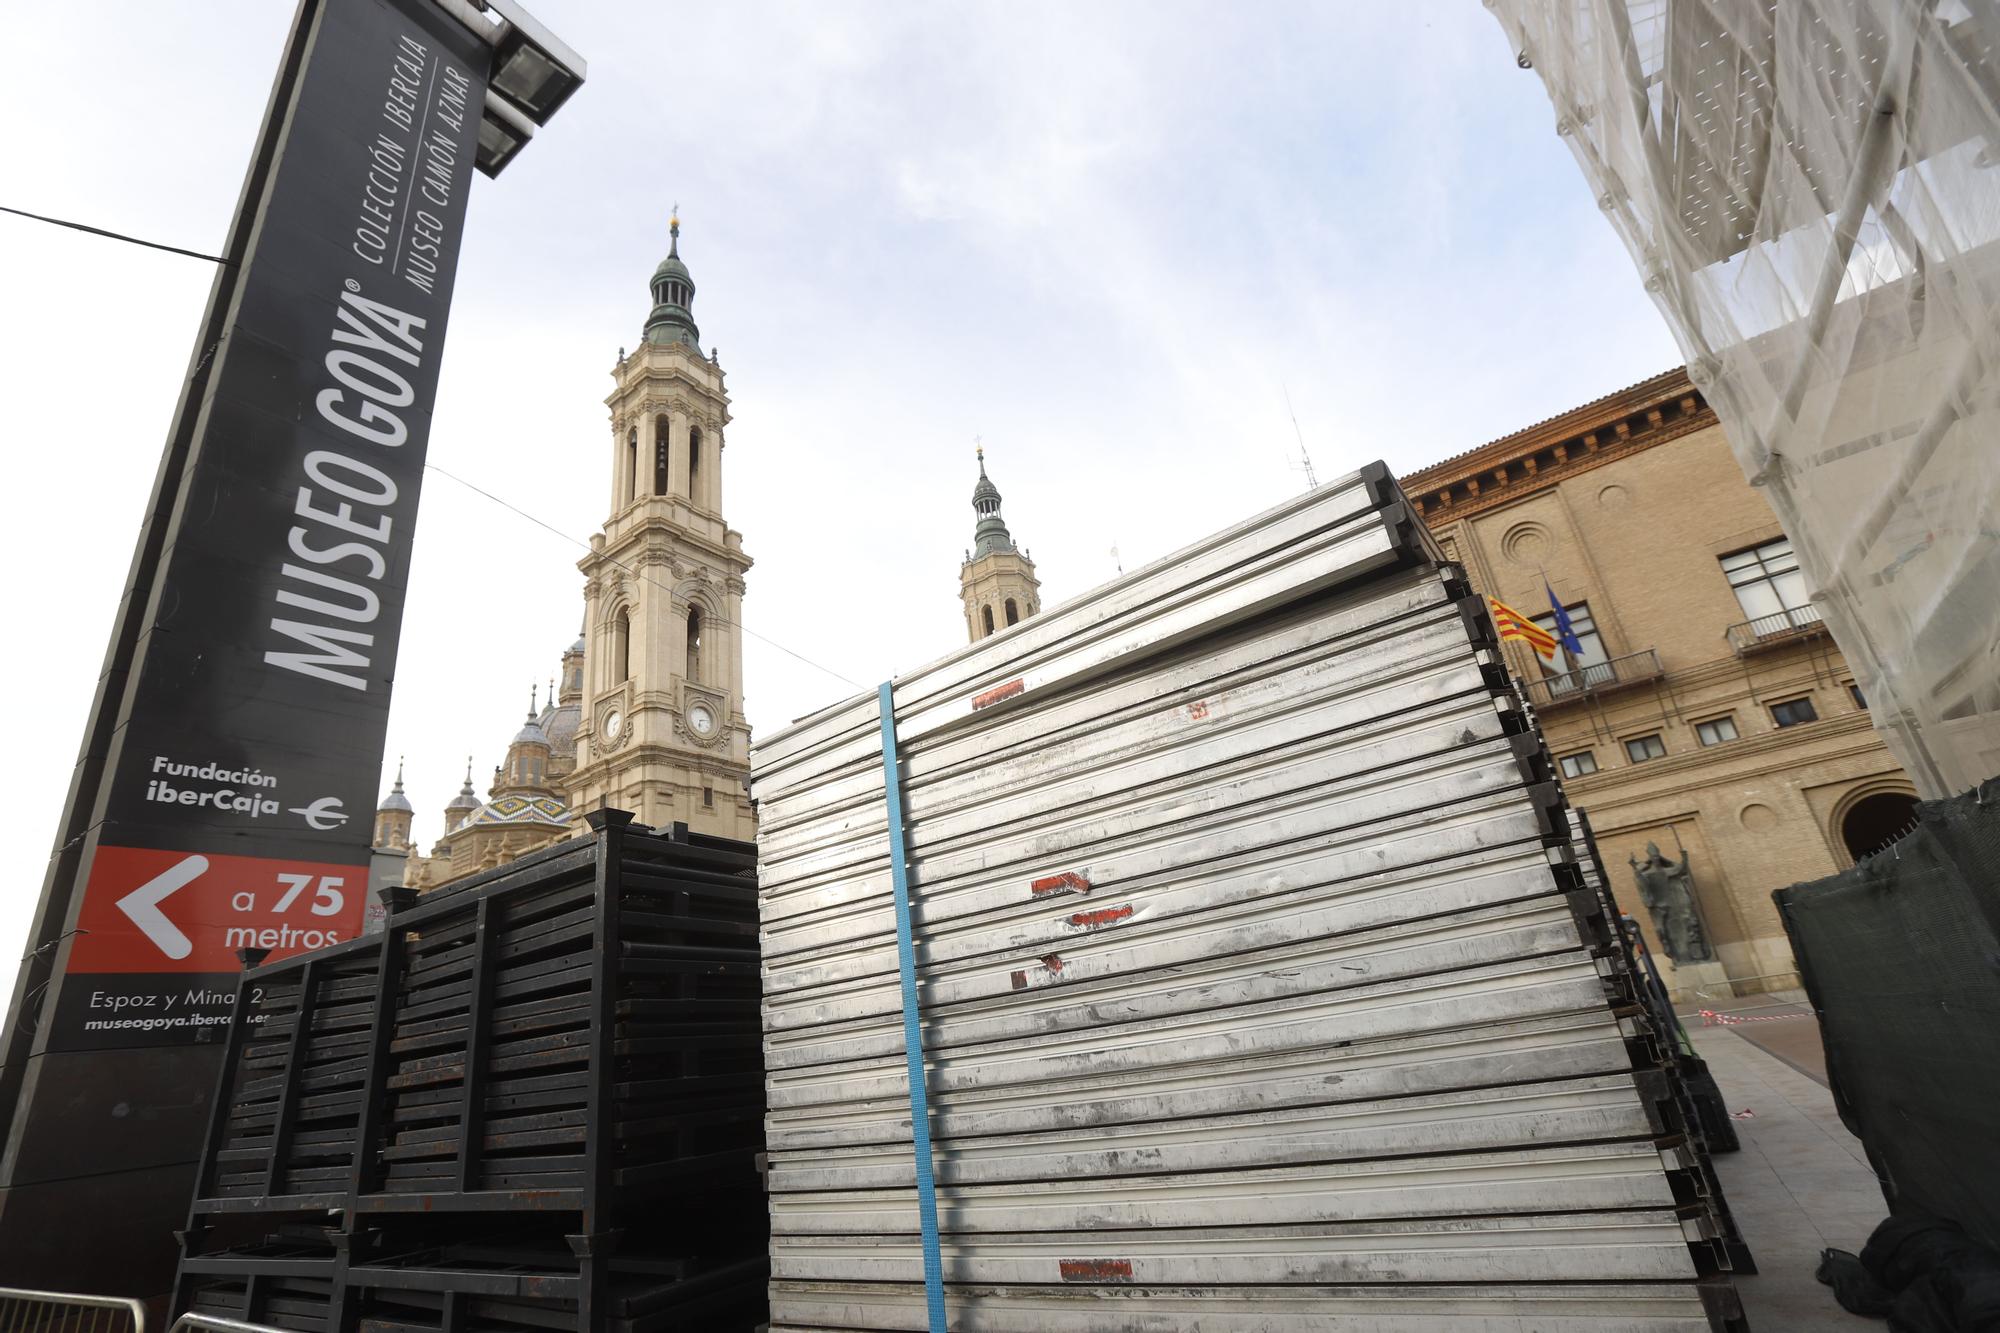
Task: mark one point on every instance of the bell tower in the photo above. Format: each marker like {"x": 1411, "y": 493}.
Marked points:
{"x": 997, "y": 581}
{"x": 662, "y": 731}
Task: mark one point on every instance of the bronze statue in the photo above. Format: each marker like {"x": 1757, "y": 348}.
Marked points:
{"x": 1668, "y": 892}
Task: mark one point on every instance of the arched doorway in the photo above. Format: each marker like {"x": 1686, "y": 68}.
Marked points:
{"x": 1875, "y": 821}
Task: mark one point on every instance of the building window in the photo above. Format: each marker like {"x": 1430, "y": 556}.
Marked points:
{"x": 1641, "y": 748}
{"x": 1716, "y": 730}
{"x": 1578, "y": 764}
{"x": 632, "y": 464}
{"x": 1769, "y": 587}
{"x": 661, "y": 436}
{"x": 695, "y": 619}
{"x": 1792, "y": 712}
{"x": 1590, "y": 667}
{"x": 1013, "y": 612}
{"x": 694, "y": 457}
{"x": 621, "y": 644}
{"x": 1854, "y": 693}
{"x": 986, "y": 614}
{"x": 708, "y": 796}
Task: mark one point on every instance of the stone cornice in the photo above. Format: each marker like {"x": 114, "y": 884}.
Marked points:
{"x": 1804, "y": 665}
{"x": 998, "y": 562}
{"x": 1646, "y": 415}
{"x": 640, "y": 533}
{"x": 655, "y": 379}
{"x": 654, "y": 756}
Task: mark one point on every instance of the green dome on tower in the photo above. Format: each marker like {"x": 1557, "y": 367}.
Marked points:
{"x": 990, "y": 533}
{"x": 673, "y": 296}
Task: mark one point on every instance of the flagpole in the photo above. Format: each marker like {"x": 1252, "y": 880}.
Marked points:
{"x": 1570, "y": 668}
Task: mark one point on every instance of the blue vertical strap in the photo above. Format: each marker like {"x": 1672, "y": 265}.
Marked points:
{"x": 913, "y": 1037}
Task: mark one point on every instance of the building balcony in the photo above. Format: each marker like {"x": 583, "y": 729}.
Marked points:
{"x": 1601, "y": 678}
{"x": 1749, "y": 636}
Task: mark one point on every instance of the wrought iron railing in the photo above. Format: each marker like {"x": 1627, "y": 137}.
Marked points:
{"x": 1582, "y": 682}
{"x": 67, "y": 1312}
{"x": 1791, "y": 623}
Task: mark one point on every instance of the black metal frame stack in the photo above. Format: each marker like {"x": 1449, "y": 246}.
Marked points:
{"x": 1658, "y": 1046}
{"x": 532, "y": 1101}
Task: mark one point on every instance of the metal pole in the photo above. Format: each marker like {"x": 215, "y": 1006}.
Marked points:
{"x": 913, "y": 1038}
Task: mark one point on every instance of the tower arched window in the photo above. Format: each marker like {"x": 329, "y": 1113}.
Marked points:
{"x": 621, "y": 644}
{"x": 986, "y": 613}
{"x": 632, "y": 465}
{"x": 694, "y": 458}
{"x": 660, "y": 438}
{"x": 694, "y": 627}
{"x": 1013, "y": 612}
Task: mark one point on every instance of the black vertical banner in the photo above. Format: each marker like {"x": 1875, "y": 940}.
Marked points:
{"x": 234, "y": 803}
{"x": 239, "y": 794}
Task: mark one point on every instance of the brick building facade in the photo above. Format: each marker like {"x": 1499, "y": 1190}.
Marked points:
{"x": 1708, "y": 713}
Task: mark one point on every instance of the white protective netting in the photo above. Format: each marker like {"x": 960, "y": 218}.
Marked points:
{"x": 1811, "y": 191}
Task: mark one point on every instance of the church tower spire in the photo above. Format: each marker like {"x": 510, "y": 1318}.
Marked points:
{"x": 672, "y": 320}
{"x": 462, "y": 804}
{"x": 526, "y": 772}
{"x": 997, "y": 582}
{"x": 393, "y": 816}
{"x": 662, "y": 731}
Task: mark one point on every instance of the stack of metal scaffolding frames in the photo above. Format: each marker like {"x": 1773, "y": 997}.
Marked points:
{"x": 1256, "y": 982}
{"x": 534, "y": 1101}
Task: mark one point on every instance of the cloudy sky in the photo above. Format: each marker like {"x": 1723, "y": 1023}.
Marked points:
{"x": 1109, "y": 239}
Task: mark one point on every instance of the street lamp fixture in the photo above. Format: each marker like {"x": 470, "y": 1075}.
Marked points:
{"x": 534, "y": 73}
{"x": 503, "y": 133}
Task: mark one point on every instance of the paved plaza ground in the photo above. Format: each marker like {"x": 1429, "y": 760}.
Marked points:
{"x": 1801, "y": 1182}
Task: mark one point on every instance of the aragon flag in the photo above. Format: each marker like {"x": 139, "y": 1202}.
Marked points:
{"x": 1513, "y": 625}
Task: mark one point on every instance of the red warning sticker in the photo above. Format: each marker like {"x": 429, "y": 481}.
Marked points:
{"x": 1069, "y": 881}
{"x": 998, "y": 693}
{"x": 1095, "y": 1270}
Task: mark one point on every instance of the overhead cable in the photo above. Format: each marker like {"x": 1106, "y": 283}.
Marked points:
{"x": 116, "y": 236}
{"x": 635, "y": 572}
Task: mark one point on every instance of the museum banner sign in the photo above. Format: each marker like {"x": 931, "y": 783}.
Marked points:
{"x": 239, "y": 792}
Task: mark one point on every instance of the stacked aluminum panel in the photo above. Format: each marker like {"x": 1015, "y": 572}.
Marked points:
{"x": 1258, "y": 986}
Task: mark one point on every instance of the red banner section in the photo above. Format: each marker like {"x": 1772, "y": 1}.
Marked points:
{"x": 146, "y": 910}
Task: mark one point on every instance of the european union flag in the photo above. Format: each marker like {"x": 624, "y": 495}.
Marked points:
{"x": 1565, "y": 632}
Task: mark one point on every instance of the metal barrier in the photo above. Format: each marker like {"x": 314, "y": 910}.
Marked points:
{"x": 24, "y": 1311}
{"x": 210, "y": 1322}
